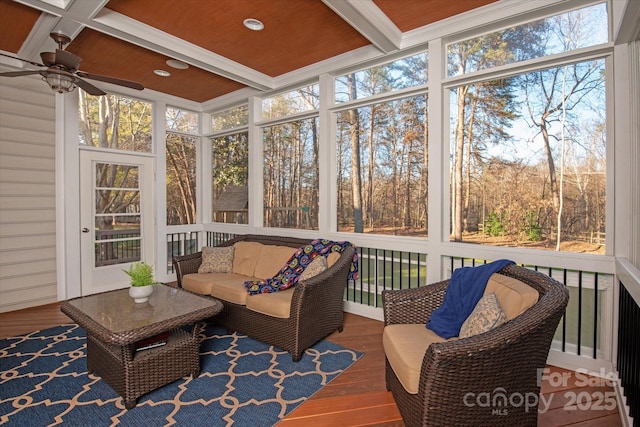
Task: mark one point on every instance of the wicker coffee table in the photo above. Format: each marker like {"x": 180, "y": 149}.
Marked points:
{"x": 114, "y": 323}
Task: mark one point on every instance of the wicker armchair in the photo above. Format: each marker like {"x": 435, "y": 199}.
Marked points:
{"x": 502, "y": 363}
{"x": 316, "y": 305}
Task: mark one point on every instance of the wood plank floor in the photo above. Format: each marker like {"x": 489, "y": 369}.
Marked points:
{"x": 359, "y": 397}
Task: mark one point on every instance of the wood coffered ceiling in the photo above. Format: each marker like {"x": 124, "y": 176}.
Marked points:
{"x": 128, "y": 39}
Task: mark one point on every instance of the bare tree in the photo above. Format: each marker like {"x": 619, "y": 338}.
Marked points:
{"x": 356, "y": 180}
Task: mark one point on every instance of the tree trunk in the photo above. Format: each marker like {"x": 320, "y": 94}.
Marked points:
{"x": 467, "y": 181}
{"x": 459, "y": 158}
{"x": 356, "y": 179}
{"x": 370, "y": 212}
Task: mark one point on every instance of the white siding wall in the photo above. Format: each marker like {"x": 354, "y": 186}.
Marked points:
{"x": 27, "y": 193}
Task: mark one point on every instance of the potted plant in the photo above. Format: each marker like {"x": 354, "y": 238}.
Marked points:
{"x": 140, "y": 279}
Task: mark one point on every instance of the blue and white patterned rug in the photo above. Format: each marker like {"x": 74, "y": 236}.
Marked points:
{"x": 243, "y": 382}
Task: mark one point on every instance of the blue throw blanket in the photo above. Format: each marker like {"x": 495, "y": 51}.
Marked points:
{"x": 465, "y": 289}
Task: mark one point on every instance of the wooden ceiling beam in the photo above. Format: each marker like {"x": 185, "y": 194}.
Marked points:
{"x": 125, "y": 28}
{"x": 92, "y": 14}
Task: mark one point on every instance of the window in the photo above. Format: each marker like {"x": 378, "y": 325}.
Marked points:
{"x": 116, "y": 122}
{"x": 291, "y": 175}
{"x": 382, "y": 150}
{"x": 231, "y": 118}
{"x": 292, "y": 102}
{"x": 230, "y": 178}
{"x": 556, "y": 34}
{"x": 182, "y": 121}
{"x": 528, "y": 162}
{"x": 400, "y": 74}
{"x": 382, "y": 173}
{"x": 181, "y": 166}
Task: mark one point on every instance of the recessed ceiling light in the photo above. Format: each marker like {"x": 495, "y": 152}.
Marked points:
{"x": 253, "y": 24}
{"x": 162, "y": 73}
{"x": 174, "y": 63}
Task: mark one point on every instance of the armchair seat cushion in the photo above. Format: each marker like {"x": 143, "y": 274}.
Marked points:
{"x": 405, "y": 346}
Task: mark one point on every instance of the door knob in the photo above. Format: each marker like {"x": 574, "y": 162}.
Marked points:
{"x": 85, "y": 230}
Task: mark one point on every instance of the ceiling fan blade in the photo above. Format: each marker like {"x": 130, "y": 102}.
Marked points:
{"x": 89, "y": 88}
{"x": 18, "y": 73}
{"x": 107, "y": 79}
{"x": 68, "y": 60}
{"x": 23, "y": 60}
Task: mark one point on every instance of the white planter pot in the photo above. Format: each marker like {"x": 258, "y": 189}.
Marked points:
{"x": 140, "y": 293}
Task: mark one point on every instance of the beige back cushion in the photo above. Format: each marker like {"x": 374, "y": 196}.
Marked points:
{"x": 245, "y": 257}
{"x": 272, "y": 258}
{"x": 513, "y": 295}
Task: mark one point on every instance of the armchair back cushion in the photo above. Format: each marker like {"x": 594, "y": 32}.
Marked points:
{"x": 514, "y": 296}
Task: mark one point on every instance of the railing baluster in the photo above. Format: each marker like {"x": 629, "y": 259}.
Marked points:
{"x": 564, "y": 317}
{"x": 595, "y": 316}
{"x": 579, "y": 338}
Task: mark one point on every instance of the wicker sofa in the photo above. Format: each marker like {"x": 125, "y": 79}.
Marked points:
{"x": 293, "y": 319}
{"x": 492, "y": 378}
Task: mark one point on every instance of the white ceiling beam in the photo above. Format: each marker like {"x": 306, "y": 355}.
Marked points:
{"x": 367, "y": 18}
{"x": 38, "y": 37}
{"x": 626, "y": 28}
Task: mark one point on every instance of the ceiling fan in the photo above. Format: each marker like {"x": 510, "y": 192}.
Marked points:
{"x": 62, "y": 72}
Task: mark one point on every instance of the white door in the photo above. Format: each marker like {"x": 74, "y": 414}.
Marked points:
{"x": 116, "y": 217}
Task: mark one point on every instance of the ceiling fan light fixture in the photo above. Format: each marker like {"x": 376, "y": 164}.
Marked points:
{"x": 60, "y": 82}
{"x": 253, "y": 24}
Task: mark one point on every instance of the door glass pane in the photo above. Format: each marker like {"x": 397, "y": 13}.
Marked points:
{"x": 117, "y": 214}
{"x": 115, "y": 122}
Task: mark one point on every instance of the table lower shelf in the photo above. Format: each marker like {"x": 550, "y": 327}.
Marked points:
{"x": 134, "y": 373}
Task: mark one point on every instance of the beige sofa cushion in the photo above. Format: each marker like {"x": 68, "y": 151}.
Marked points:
{"x": 405, "y": 346}
{"x": 226, "y": 286}
{"x": 513, "y": 295}
{"x": 275, "y": 304}
{"x": 199, "y": 283}
{"x": 230, "y": 287}
{"x": 245, "y": 257}
{"x": 272, "y": 258}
